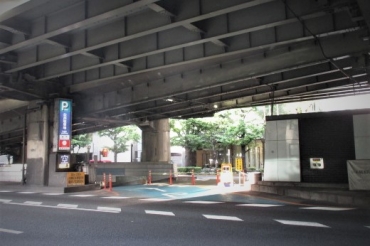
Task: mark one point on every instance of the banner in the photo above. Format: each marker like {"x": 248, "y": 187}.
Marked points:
{"x": 359, "y": 174}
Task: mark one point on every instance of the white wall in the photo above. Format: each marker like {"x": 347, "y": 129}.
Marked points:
{"x": 178, "y": 155}
{"x": 361, "y": 125}
{"x": 11, "y": 173}
{"x": 282, "y": 158}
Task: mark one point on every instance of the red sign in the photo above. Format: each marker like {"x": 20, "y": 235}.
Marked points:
{"x": 64, "y": 144}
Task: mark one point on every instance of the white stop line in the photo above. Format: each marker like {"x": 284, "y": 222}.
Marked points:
{"x": 10, "y": 231}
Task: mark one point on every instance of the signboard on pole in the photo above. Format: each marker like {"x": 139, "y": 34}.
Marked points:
{"x": 238, "y": 164}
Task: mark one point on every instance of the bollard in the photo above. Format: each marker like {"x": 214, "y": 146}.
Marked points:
{"x": 243, "y": 177}
{"x": 170, "y": 177}
{"x": 150, "y": 177}
{"x": 217, "y": 177}
{"x": 104, "y": 181}
{"x": 192, "y": 177}
{"x": 110, "y": 182}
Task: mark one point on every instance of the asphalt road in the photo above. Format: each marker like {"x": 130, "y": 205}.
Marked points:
{"x": 176, "y": 215}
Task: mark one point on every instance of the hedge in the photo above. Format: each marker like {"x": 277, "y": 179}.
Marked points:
{"x": 189, "y": 169}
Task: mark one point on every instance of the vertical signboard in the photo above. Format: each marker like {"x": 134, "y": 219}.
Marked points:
{"x": 65, "y": 125}
{"x": 238, "y": 164}
{"x": 63, "y": 162}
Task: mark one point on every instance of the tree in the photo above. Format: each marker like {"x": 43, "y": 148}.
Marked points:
{"x": 81, "y": 141}
{"x": 226, "y": 128}
{"x": 242, "y": 131}
{"x": 192, "y": 134}
{"x": 120, "y": 137}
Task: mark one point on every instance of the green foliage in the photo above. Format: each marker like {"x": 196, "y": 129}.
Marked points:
{"x": 81, "y": 141}
{"x": 239, "y": 131}
{"x": 181, "y": 169}
{"x": 189, "y": 169}
{"x": 121, "y": 136}
{"x": 231, "y": 127}
{"x": 190, "y": 133}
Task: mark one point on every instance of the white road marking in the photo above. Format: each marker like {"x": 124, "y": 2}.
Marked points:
{"x": 327, "y": 208}
{"x": 26, "y": 192}
{"x": 159, "y": 212}
{"x": 4, "y": 191}
{"x": 82, "y": 195}
{"x": 156, "y": 189}
{"x": 33, "y": 203}
{"x": 156, "y": 199}
{"x": 53, "y": 194}
{"x": 69, "y": 208}
{"x": 202, "y": 202}
{"x": 5, "y": 201}
{"x": 368, "y": 227}
{"x": 301, "y": 223}
{"x": 115, "y": 197}
{"x": 10, "y": 231}
{"x": 220, "y": 217}
{"x": 258, "y": 205}
{"x": 174, "y": 195}
{"x": 109, "y": 209}
{"x": 67, "y": 205}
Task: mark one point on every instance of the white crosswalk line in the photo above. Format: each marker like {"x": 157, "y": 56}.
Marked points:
{"x": 26, "y": 192}
{"x": 109, "y": 209}
{"x": 301, "y": 223}
{"x": 159, "y": 212}
{"x": 327, "y": 208}
{"x": 62, "y": 205}
{"x": 202, "y": 202}
{"x": 32, "y": 203}
{"x": 5, "y": 200}
{"x": 115, "y": 197}
{"x": 10, "y": 231}
{"x": 258, "y": 205}
{"x": 5, "y": 191}
{"x": 53, "y": 194}
{"x": 82, "y": 195}
{"x": 221, "y": 217}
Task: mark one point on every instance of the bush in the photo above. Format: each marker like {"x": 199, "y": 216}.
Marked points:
{"x": 189, "y": 169}
{"x": 197, "y": 169}
{"x": 181, "y": 169}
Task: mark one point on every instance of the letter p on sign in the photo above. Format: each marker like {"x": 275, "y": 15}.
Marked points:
{"x": 64, "y": 105}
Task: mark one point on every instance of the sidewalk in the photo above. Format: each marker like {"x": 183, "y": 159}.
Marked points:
{"x": 15, "y": 186}
{"x": 338, "y": 194}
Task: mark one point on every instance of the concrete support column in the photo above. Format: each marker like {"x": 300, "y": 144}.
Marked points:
{"x": 156, "y": 141}
{"x": 37, "y": 144}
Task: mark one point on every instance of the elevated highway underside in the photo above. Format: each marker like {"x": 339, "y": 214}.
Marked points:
{"x": 128, "y": 62}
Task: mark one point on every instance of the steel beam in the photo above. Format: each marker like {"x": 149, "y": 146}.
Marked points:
{"x": 105, "y": 17}
{"x": 130, "y": 37}
{"x": 214, "y": 39}
{"x": 195, "y": 63}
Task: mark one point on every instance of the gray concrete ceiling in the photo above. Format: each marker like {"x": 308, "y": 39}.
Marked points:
{"x": 125, "y": 61}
